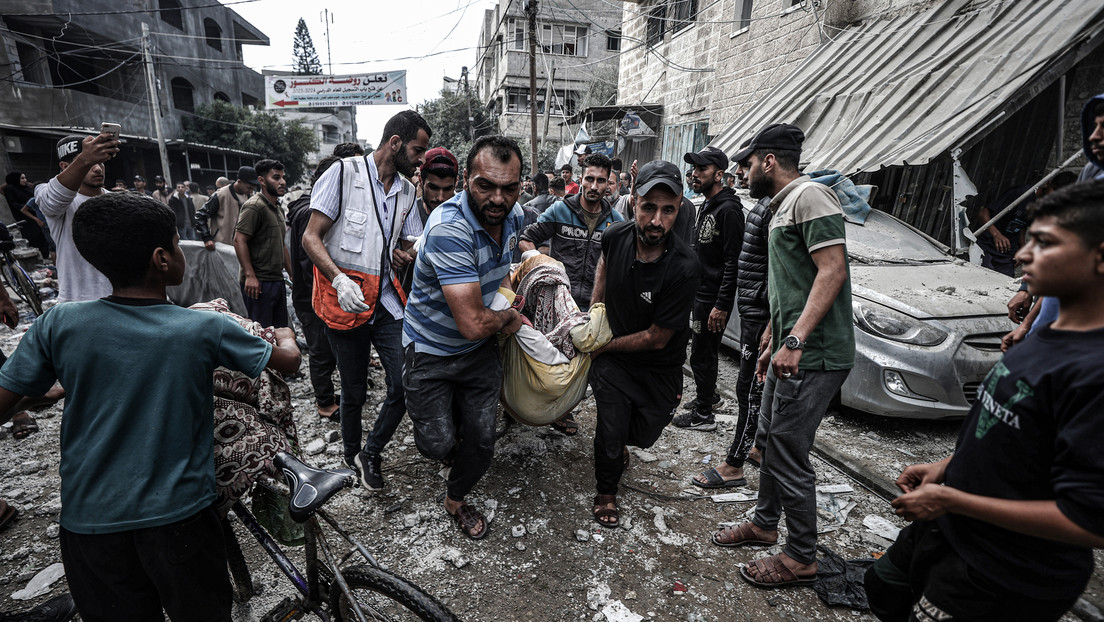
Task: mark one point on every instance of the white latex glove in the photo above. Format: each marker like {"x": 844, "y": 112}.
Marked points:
{"x": 349, "y": 295}
{"x": 529, "y": 253}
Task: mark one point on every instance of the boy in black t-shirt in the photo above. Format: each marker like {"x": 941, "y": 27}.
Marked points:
{"x": 647, "y": 278}
{"x": 1009, "y": 535}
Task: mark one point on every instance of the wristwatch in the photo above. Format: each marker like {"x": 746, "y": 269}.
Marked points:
{"x": 793, "y": 343}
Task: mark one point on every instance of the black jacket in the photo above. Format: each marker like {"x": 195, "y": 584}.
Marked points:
{"x": 542, "y": 202}
{"x": 720, "y": 234}
{"x": 751, "y": 297}
{"x": 302, "y": 269}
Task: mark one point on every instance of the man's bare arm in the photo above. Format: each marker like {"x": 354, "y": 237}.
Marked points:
{"x": 285, "y": 357}
{"x": 241, "y": 249}
{"x": 317, "y": 228}
{"x": 831, "y": 263}
{"x": 653, "y": 338}
{"x": 598, "y": 294}
{"x": 474, "y": 320}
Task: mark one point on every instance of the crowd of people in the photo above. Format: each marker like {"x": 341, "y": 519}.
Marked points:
{"x": 404, "y": 252}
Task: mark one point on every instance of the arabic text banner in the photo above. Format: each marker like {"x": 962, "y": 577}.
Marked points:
{"x": 385, "y": 87}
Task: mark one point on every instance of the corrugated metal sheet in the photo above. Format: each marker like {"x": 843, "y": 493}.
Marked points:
{"x": 908, "y": 90}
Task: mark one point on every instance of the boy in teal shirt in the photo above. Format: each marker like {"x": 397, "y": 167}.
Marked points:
{"x": 138, "y": 530}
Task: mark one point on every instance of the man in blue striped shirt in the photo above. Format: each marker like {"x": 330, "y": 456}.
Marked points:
{"x": 452, "y": 358}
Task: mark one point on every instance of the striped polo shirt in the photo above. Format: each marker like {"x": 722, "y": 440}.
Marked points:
{"x": 455, "y": 249}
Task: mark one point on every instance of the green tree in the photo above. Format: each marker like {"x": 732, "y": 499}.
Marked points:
{"x": 226, "y": 125}
{"x": 448, "y": 118}
{"x": 305, "y": 58}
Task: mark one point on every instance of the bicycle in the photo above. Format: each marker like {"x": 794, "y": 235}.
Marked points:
{"x": 331, "y": 590}
{"x": 16, "y": 278}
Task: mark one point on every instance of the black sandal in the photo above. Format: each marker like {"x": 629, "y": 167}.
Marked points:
{"x": 566, "y": 425}
{"x": 601, "y": 512}
{"x": 467, "y": 518}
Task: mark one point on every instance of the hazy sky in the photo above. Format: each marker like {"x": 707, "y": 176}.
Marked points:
{"x": 430, "y": 39}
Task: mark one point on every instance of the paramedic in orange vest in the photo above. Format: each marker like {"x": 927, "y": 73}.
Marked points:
{"x": 361, "y": 229}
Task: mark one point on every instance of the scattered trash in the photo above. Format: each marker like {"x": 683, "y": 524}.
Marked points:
{"x": 732, "y": 497}
{"x": 707, "y": 459}
{"x": 881, "y": 527}
{"x": 680, "y": 586}
{"x": 598, "y": 596}
{"x": 616, "y": 611}
{"x": 835, "y": 489}
{"x": 40, "y": 584}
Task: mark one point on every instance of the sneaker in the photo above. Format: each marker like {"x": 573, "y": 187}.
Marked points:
{"x": 695, "y": 421}
{"x": 370, "y": 470}
{"x": 719, "y": 403}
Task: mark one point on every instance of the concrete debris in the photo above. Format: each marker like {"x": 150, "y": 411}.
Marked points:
{"x": 513, "y": 491}
{"x": 518, "y": 531}
{"x": 881, "y": 527}
{"x": 598, "y": 596}
{"x": 315, "y": 447}
{"x": 582, "y": 535}
{"x": 519, "y": 546}
{"x": 53, "y": 531}
{"x": 659, "y": 521}
{"x": 332, "y": 436}
{"x": 626, "y": 522}
{"x": 644, "y": 456}
{"x": 616, "y": 611}
{"x": 735, "y": 497}
{"x": 41, "y": 582}
{"x": 411, "y": 520}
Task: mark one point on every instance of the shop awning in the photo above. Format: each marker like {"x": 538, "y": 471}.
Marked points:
{"x": 909, "y": 89}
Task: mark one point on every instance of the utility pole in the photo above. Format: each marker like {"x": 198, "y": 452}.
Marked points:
{"x": 548, "y": 103}
{"x": 327, "y": 19}
{"x": 155, "y": 107}
{"x": 531, "y": 10}
{"x": 467, "y": 100}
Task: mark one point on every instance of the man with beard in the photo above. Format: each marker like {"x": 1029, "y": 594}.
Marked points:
{"x": 160, "y": 191}
{"x": 452, "y": 372}
{"x": 575, "y": 227}
{"x": 140, "y": 186}
{"x": 259, "y": 245}
{"x": 82, "y": 177}
{"x": 647, "y": 278}
{"x": 812, "y": 351}
{"x": 720, "y": 234}
{"x": 215, "y": 221}
{"x": 363, "y": 217}
{"x": 437, "y": 184}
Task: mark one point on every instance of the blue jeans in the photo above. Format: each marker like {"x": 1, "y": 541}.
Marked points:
{"x": 351, "y": 348}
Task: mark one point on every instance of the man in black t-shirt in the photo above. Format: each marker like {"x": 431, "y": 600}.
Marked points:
{"x": 647, "y": 279}
{"x": 1009, "y": 536}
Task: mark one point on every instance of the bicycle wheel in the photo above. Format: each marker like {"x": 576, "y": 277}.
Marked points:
{"x": 384, "y": 596}
{"x": 27, "y": 289}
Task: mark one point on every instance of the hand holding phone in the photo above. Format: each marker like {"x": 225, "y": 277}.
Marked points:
{"x": 111, "y": 129}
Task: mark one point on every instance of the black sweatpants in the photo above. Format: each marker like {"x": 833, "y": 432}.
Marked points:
{"x": 705, "y": 347}
{"x": 922, "y": 579}
{"x": 634, "y": 405}
{"x": 133, "y": 575}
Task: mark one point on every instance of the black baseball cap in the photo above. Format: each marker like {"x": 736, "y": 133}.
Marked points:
{"x": 139, "y": 178}
{"x": 248, "y": 174}
{"x": 158, "y": 178}
{"x": 708, "y": 155}
{"x": 69, "y": 147}
{"x": 780, "y": 136}
{"x": 658, "y": 172}
{"x": 583, "y": 149}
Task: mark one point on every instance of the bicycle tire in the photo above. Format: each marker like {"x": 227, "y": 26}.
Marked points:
{"x": 389, "y": 593}
{"x": 241, "y": 582}
{"x": 27, "y": 289}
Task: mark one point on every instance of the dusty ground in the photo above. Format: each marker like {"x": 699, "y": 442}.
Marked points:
{"x": 543, "y": 482}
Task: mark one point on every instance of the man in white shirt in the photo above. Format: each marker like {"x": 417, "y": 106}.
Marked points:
{"x": 82, "y": 176}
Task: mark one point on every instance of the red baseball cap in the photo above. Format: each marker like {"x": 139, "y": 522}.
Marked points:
{"x": 440, "y": 162}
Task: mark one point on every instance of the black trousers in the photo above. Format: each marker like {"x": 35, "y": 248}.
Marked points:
{"x": 634, "y": 406}
{"x": 749, "y": 393}
{"x": 322, "y": 361}
{"x": 705, "y": 347}
{"x": 453, "y": 403}
{"x": 271, "y": 308}
{"x": 133, "y": 575}
{"x": 921, "y": 578}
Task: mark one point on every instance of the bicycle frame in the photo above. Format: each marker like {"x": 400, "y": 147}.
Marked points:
{"x": 315, "y": 539}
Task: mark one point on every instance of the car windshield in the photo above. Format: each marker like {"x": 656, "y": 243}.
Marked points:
{"x": 884, "y": 239}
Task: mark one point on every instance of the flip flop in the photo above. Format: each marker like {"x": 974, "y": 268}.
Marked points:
{"x": 566, "y": 425}
{"x": 745, "y": 536}
{"x": 22, "y": 428}
{"x": 780, "y": 576}
{"x": 7, "y": 514}
{"x": 466, "y": 518}
{"x": 714, "y": 479}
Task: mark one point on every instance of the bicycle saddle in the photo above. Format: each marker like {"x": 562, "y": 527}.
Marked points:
{"x": 310, "y": 488}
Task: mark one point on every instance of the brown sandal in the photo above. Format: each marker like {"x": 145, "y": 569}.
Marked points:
{"x": 467, "y": 518}
{"x": 740, "y": 535}
{"x": 601, "y": 512}
{"x": 776, "y": 574}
